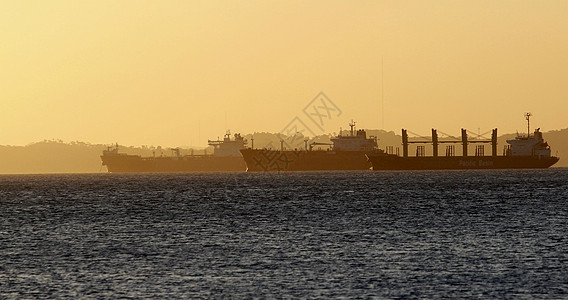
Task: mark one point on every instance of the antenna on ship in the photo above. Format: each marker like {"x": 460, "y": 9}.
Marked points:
{"x": 528, "y": 117}
{"x": 352, "y": 124}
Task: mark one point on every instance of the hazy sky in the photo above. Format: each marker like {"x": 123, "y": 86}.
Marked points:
{"x": 175, "y": 73}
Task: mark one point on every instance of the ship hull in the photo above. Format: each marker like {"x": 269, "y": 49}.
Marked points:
{"x": 259, "y": 160}
{"x": 136, "y": 164}
{"x": 393, "y": 162}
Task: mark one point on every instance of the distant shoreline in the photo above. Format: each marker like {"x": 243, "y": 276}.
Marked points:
{"x": 58, "y": 157}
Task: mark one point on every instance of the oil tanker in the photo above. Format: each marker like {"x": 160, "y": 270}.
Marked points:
{"x": 523, "y": 152}
{"x": 225, "y": 157}
{"x": 345, "y": 152}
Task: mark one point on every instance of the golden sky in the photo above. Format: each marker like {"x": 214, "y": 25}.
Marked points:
{"x": 176, "y": 73}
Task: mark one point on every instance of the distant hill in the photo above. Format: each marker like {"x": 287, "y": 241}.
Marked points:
{"x": 50, "y": 157}
{"x": 56, "y": 156}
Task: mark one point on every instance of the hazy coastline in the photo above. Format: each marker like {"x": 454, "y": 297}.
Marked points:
{"x": 56, "y": 156}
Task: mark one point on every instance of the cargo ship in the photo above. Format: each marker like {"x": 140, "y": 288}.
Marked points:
{"x": 225, "y": 157}
{"x": 523, "y": 152}
{"x": 345, "y": 152}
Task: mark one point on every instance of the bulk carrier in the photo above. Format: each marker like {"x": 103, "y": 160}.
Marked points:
{"x": 225, "y": 157}
{"x": 345, "y": 152}
{"x": 523, "y": 152}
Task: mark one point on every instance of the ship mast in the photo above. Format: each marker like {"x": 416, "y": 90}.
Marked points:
{"x": 528, "y": 117}
{"x": 352, "y": 124}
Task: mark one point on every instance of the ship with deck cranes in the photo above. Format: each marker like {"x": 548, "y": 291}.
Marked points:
{"x": 523, "y": 152}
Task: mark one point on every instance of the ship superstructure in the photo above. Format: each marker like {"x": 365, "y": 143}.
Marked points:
{"x": 523, "y": 152}
{"x": 228, "y": 147}
{"x": 345, "y": 152}
{"x": 355, "y": 141}
{"x": 226, "y": 157}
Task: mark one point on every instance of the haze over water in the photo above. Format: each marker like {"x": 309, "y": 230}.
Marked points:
{"x": 303, "y": 234}
{"x": 176, "y": 73}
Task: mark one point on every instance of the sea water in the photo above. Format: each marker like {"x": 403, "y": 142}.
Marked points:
{"x": 419, "y": 234}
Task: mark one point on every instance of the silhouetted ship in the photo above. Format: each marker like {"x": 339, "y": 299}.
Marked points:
{"x": 344, "y": 153}
{"x": 523, "y": 152}
{"x": 225, "y": 157}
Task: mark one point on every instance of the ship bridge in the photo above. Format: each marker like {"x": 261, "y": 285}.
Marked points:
{"x": 228, "y": 147}
{"x": 355, "y": 141}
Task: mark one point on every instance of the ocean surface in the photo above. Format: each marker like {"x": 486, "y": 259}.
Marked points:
{"x": 419, "y": 234}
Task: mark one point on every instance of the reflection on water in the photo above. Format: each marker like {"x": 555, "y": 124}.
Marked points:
{"x": 317, "y": 234}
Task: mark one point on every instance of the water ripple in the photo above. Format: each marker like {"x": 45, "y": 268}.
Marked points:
{"x": 474, "y": 234}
